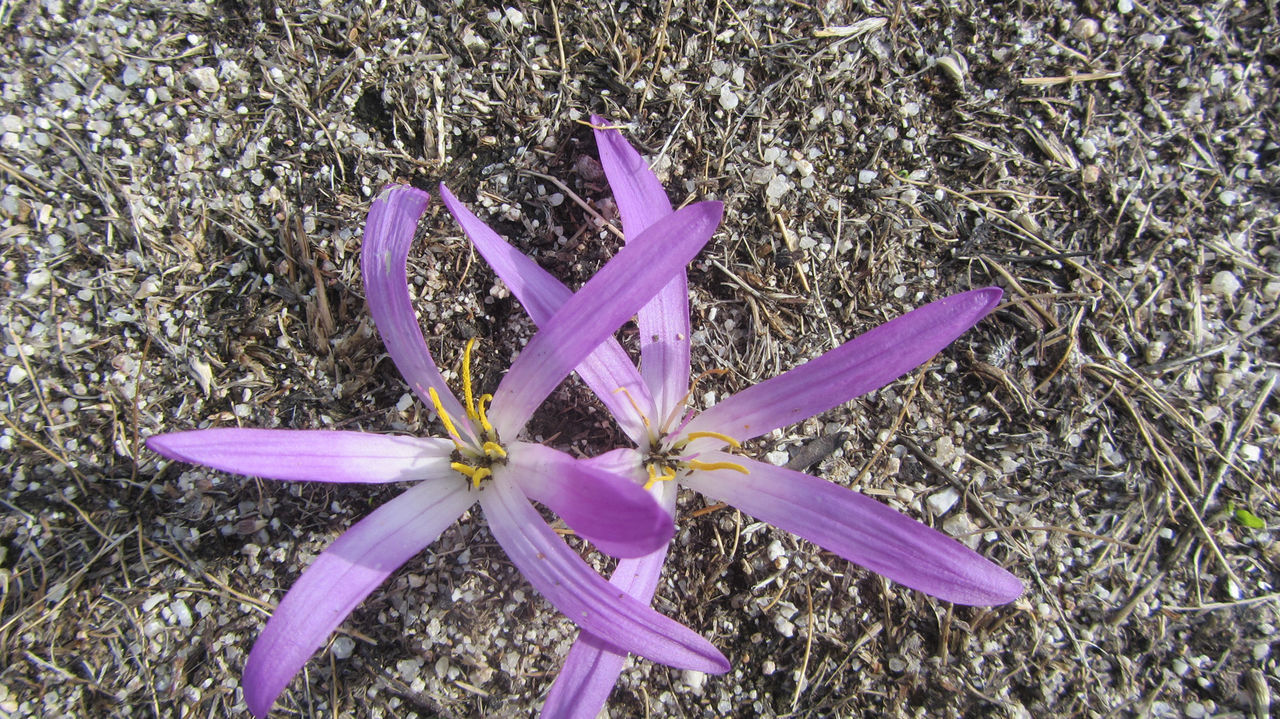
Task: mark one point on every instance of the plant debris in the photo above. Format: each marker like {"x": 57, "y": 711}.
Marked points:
{"x": 184, "y": 184}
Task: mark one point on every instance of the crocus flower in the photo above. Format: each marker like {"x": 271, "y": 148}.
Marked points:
{"x": 477, "y": 461}
{"x": 678, "y": 445}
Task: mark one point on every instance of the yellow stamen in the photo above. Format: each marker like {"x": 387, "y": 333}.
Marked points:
{"x": 492, "y": 448}
{"x": 667, "y": 475}
{"x": 463, "y": 468}
{"x": 711, "y": 435}
{"x": 634, "y": 406}
{"x": 445, "y": 418}
{"x": 466, "y": 379}
{"x": 480, "y": 474}
{"x": 713, "y": 466}
{"x": 484, "y": 419}
{"x": 653, "y": 477}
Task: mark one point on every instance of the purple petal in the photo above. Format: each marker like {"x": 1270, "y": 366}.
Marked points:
{"x": 574, "y": 588}
{"x": 663, "y": 322}
{"x": 863, "y": 364}
{"x": 609, "y": 510}
{"x": 341, "y": 577}
{"x": 607, "y": 368}
{"x": 596, "y": 311}
{"x": 388, "y": 234}
{"x": 309, "y": 455}
{"x": 859, "y": 529}
{"x": 584, "y": 683}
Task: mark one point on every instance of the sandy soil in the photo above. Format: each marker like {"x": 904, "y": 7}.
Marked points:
{"x": 184, "y": 190}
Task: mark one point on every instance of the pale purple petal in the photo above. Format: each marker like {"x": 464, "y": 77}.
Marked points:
{"x": 596, "y": 311}
{"x": 609, "y": 510}
{"x": 309, "y": 455}
{"x": 863, "y": 364}
{"x": 384, "y": 257}
{"x": 341, "y": 577}
{"x": 860, "y": 529}
{"x": 607, "y": 368}
{"x": 574, "y": 588}
{"x": 663, "y": 322}
{"x": 626, "y": 461}
{"x": 584, "y": 683}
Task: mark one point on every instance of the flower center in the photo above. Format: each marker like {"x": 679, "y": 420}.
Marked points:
{"x": 668, "y": 457}
{"x": 474, "y": 456}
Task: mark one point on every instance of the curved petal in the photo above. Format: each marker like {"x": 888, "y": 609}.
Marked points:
{"x": 609, "y": 510}
{"x": 863, "y": 364}
{"x": 664, "y": 321}
{"x": 388, "y": 234}
{"x": 584, "y": 683}
{"x": 859, "y": 529}
{"x": 596, "y": 311}
{"x": 625, "y": 461}
{"x": 341, "y": 577}
{"x": 585, "y": 597}
{"x": 607, "y": 370}
{"x": 309, "y": 455}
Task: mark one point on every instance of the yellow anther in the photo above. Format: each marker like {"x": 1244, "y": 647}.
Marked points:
{"x": 713, "y": 466}
{"x": 476, "y": 474}
{"x": 466, "y": 379}
{"x": 653, "y": 477}
{"x": 493, "y": 448}
{"x": 634, "y": 406}
{"x": 711, "y": 435}
{"x": 667, "y": 475}
{"x": 445, "y": 418}
{"x": 484, "y": 419}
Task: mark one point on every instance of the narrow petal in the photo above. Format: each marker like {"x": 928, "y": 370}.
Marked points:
{"x": 574, "y": 588}
{"x": 341, "y": 577}
{"x": 859, "y": 529}
{"x": 863, "y": 364}
{"x": 609, "y": 510}
{"x": 595, "y": 312}
{"x": 607, "y": 369}
{"x": 664, "y": 321}
{"x": 388, "y": 234}
{"x": 584, "y": 683}
{"x": 309, "y": 455}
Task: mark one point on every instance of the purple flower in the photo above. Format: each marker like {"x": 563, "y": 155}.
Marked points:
{"x": 676, "y": 443}
{"x": 478, "y": 461}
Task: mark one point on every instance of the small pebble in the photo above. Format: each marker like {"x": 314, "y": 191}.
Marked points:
{"x": 728, "y": 98}
{"x": 1084, "y": 28}
{"x": 940, "y": 502}
{"x": 342, "y": 647}
{"x": 1225, "y": 284}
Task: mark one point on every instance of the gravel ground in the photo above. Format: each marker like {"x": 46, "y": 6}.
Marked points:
{"x": 184, "y": 189}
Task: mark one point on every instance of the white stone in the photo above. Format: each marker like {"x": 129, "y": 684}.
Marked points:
{"x": 940, "y": 502}
{"x": 866, "y": 177}
{"x": 728, "y": 98}
{"x": 206, "y": 78}
{"x": 342, "y": 647}
{"x": 1225, "y": 284}
{"x": 694, "y": 680}
{"x": 17, "y": 375}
